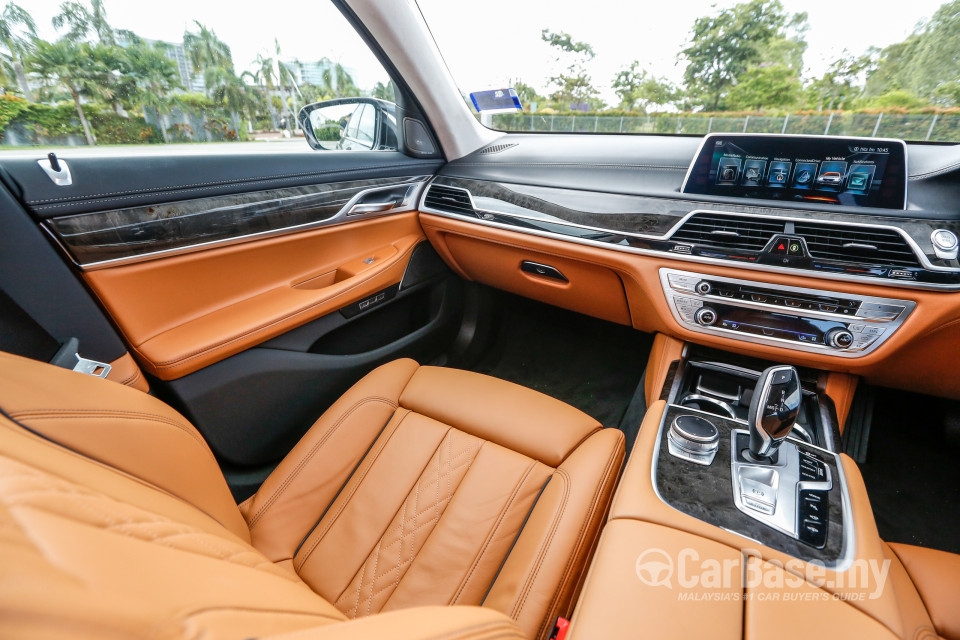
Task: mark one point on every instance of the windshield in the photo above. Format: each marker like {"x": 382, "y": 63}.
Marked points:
{"x": 695, "y": 67}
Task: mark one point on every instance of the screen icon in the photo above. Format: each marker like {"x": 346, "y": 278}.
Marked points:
{"x": 860, "y": 178}
{"x": 728, "y": 171}
{"x": 753, "y": 172}
{"x": 779, "y": 174}
{"x": 832, "y": 175}
{"x": 804, "y": 175}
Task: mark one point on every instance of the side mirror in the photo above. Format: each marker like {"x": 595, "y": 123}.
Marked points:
{"x": 351, "y": 124}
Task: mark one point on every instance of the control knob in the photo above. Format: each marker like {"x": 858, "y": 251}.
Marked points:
{"x": 839, "y": 338}
{"x": 704, "y": 288}
{"x": 705, "y": 316}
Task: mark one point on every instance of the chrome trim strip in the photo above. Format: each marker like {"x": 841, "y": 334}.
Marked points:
{"x": 906, "y": 168}
{"x": 339, "y": 218}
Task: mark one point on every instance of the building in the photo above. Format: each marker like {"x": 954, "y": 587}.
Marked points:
{"x": 315, "y": 72}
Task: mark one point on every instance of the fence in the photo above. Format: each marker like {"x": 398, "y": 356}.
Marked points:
{"x": 940, "y": 127}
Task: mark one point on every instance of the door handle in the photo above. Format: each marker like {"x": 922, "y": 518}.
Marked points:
{"x": 371, "y": 207}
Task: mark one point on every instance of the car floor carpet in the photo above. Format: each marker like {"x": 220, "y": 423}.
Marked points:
{"x": 911, "y": 472}
{"x": 593, "y": 365}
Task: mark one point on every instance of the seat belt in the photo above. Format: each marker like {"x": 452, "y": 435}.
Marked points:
{"x": 22, "y": 335}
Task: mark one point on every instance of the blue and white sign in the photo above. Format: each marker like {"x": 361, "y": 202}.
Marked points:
{"x": 496, "y": 101}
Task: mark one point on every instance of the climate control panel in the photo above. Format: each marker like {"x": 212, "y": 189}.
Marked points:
{"x": 842, "y": 324}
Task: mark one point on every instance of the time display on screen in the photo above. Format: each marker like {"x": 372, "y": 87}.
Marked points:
{"x": 823, "y": 170}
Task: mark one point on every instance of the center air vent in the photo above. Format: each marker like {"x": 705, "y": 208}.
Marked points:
{"x": 449, "y": 199}
{"x": 862, "y": 245}
{"x": 727, "y": 232}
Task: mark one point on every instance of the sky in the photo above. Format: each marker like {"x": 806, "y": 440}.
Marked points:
{"x": 486, "y": 44}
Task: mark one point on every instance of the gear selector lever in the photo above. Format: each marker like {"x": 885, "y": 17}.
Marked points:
{"x": 773, "y": 411}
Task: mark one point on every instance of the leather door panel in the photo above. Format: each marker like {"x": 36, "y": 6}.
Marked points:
{"x": 182, "y": 313}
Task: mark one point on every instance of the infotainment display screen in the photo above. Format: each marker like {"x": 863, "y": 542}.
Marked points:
{"x": 860, "y": 172}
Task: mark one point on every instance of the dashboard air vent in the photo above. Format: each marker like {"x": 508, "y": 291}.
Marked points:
{"x": 450, "y": 199}
{"x": 857, "y": 244}
{"x": 728, "y": 232}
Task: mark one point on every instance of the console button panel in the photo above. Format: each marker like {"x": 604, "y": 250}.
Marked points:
{"x": 842, "y": 324}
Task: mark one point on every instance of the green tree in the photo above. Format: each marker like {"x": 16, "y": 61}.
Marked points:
{"x": 948, "y": 94}
{"x": 840, "y": 84}
{"x": 898, "y": 98}
{"x": 724, "y": 46}
{"x": 77, "y": 69}
{"x": 18, "y": 32}
{"x": 206, "y": 51}
{"x": 75, "y": 18}
{"x": 770, "y": 86}
{"x": 337, "y": 79}
{"x": 387, "y": 91}
{"x": 924, "y": 60}
{"x": 638, "y": 89}
{"x": 154, "y": 76}
{"x": 100, "y": 24}
{"x": 573, "y": 83}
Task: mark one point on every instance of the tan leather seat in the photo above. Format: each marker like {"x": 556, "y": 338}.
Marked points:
{"x": 936, "y": 576}
{"x": 420, "y": 486}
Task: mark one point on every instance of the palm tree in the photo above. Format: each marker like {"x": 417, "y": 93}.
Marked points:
{"x": 76, "y": 18}
{"x": 205, "y": 50}
{"x": 17, "y": 34}
{"x": 76, "y": 68}
{"x": 100, "y": 24}
{"x": 155, "y": 76}
{"x": 265, "y": 75}
{"x": 338, "y": 80}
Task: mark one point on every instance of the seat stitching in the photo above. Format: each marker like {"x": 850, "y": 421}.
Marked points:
{"x": 348, "y": 497}
{"x": 403, "y": 514}
{"x": 80, "y": 414}
{"x": 544, "y": 546}
{"x": 490, "y": 535}
{"x": 435, "y": 521}
{"x": 313, "y": 450}
{"x": 595, "y": 502}
{"x": 44, "y": 414}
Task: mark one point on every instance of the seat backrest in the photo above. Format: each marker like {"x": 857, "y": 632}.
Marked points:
{"x": 114, "y": 519}
{"x": 120, "y": 427}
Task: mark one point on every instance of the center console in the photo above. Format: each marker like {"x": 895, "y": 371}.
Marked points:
{"x": 842, "y": 324}
{"x": 751, "y": 452}
{"x": 736, "y": 511}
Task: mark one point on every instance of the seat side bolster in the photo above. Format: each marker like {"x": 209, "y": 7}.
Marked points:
{"x": 120, "y": 427}
{"x": 539, "y": 578}
{"x": 418, "y": 623}
{"x": 295, "y": 495}
{"x": 936, "y": 576}
{"x": 521, "y": 419}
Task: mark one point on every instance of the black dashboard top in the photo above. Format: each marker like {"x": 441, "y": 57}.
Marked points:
{"x": 655, "y": 166}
